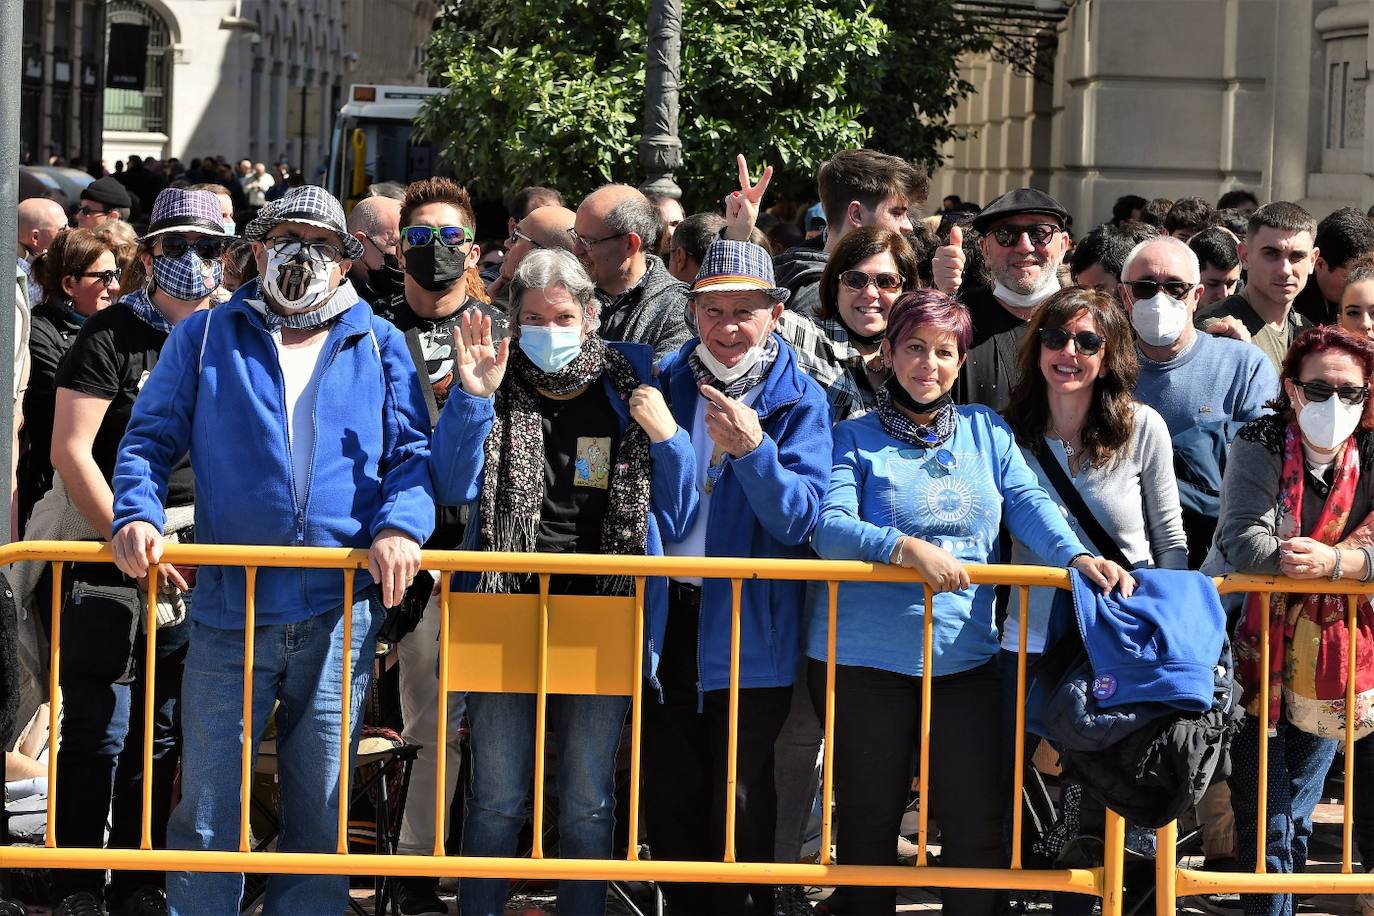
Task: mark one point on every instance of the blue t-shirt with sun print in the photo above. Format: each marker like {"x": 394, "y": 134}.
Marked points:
{"x": 882, "y": 488}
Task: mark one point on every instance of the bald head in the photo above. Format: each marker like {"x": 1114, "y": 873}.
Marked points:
{"x": 376, "y": 222}
{"x": 545, "y": 227}
{"x": 615, "y": 223}
{"x": 40, "y": 220}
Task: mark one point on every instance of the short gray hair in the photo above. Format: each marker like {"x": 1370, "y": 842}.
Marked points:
{"x": 1179, "y": 246}
{"x": 548, "y": 267}
{"x": 635, "y": 214}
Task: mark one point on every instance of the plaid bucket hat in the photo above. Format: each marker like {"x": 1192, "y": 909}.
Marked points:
{"x": 311, "y": 205}
{"x": 733, "y": 265}
{"x": 179, "y": 210}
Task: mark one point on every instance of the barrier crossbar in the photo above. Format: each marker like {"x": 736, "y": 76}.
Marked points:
{"x": 544, "y": 644}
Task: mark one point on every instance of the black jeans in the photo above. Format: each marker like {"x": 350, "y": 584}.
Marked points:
{"x": 877, "y": 714}
{"x": 685, "y": 748}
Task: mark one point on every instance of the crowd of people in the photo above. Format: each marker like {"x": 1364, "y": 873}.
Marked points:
{"x": 1184, "y": 387}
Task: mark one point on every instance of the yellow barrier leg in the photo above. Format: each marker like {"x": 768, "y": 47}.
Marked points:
{"x": 1166, "y": 869}
{"x": 346, "y": 708}
{"x": 732, "y": 751}
{"x": 636, "y": 720}
{"x": 1114, "y": 864}
{"x": 54, "y": 705}
{"x": 541, "y": 725}
{"x": 441, "y": 735}
{"x": 828, "y": 764}
{"x": 1348, "y": 817}
{"x": 1262, "y": 803}
{"x": 250, "y": 622}
{"x": 149, "y": 679}
{"x": 923, "y": 792}
{"x": 1018, "y": 772}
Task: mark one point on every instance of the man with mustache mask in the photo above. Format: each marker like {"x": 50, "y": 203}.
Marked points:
{"x": 306, "y": 423}
{"x": 1023, "y": 243}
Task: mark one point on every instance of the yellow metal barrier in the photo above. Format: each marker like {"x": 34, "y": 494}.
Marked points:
{"x": 546, "y": 644}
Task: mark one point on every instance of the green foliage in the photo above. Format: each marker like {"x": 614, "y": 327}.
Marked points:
{"x": 551, "y": 91}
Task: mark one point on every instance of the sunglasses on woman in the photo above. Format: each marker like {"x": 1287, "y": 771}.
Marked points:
{"x": 106, "y": 277}
{"x": 174, "y": 246}
{"x": 1087, "y": 342}
{"x": 448, "y": 236}
{"x": 1318, "y": 391}
{"x": 857, "y": 279}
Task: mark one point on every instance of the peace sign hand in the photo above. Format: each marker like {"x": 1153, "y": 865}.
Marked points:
{"x": 481, "y": 366}
{"x": 742, "y": 206}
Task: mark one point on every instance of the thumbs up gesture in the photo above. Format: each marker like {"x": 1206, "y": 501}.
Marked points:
{"x": 948, "y": 266}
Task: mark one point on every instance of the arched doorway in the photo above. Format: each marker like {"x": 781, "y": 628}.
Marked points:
{"x": 138, "y": 90}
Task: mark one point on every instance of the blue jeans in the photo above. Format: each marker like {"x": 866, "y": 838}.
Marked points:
{"x": 300, "y": 666}
{"x": 1298, "y": 763}
{"x": 587, "y": 734}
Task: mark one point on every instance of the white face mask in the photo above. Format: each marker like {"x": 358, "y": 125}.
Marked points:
{"x": 724, "y": 373}
{"x": 1326, "y": 424}
{"x": 1049, "y": 285}
{"x": 1160, "y": 319}
{"x": 296, "y": 284}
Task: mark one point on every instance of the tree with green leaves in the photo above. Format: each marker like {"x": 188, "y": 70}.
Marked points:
{"x": 551, "y": 91}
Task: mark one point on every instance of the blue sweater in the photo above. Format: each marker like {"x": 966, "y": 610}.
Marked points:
{"x": 217, "y": 391}
{"x": 882, "y": 488}
{"x": 762, "y": 505}
{"x": 458, "y": 460}
{"x": 1217, "y": 378}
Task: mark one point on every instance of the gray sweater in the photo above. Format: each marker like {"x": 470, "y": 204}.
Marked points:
{"x": 1134, "y": 497}
{"x": 1245, "y": 540}
{"x": 653, "y": 311}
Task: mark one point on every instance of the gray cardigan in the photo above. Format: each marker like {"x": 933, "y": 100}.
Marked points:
{"x": 1245, "y": 540}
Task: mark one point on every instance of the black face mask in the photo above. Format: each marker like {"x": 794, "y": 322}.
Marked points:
{"x": 389, "y": 279}
{"x": 436, "y": 267}
{"x": 866, "y": 339}
{"x": 899, "y": 395}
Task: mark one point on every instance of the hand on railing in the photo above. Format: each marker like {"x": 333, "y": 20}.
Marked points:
{"x": 393, "y": 561}
{"x": 937, "y": 567}
{"x": 137, "y": 546}
{"x": 1105, "y": 574}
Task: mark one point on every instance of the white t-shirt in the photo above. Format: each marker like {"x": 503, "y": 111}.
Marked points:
{"x": 300, "y": 372}
{"x": 710, "y": 459}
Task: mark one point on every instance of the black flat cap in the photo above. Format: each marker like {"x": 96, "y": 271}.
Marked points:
{"x": 107, "y": 191}
{"x": 1021, "y": 200}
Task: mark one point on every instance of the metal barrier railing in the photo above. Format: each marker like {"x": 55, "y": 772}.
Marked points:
{"x": 550, "y": 644}
{"x": 1173, "y": 881}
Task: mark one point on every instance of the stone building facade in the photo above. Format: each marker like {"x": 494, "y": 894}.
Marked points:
{"x": 62, "y": 78}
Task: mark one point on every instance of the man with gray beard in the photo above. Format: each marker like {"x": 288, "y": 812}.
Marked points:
{"x": 1023, "y": 243}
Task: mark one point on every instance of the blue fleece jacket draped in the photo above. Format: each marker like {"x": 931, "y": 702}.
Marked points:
{"x": 218, "y": 392}
{"x": 764, "y": 504}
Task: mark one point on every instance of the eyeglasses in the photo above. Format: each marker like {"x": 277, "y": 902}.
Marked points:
{"x": 517, "y": 236}
{"x": 318, "y": 251}
{"x": 106, "y": 277}
{"x": 83, "y": 210}
{"x": 1146, "y": 289}
{"x": 174, "y": 246}
{"x": 1318, "y": 391}
{"x": 1038, "y": 233}
{"x": 858, "y": 280}
{"x": 385, "y": 247}
{"x": 448, "y": 236}
{"x": 1087, "y": 342}
{"x": 590, "y": 243}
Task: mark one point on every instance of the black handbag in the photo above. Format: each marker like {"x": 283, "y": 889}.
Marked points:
{"x": 406, "y": 615}
{"x": 100, "y": 625}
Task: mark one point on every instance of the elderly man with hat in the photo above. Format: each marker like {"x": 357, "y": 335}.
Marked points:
{"x": 304, "y": 418}
{"x": 103, "y": 200}
{"x": 761, "y": 431}
{"x": 1023, "y": 241}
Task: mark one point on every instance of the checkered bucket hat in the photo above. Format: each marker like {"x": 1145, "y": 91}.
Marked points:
{"x": 179, "y": 210}
{"x": 732, "y": 265}
{"x": 311, "y": 205}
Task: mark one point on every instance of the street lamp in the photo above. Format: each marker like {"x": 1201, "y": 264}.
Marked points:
{"x": 660, "y": 150}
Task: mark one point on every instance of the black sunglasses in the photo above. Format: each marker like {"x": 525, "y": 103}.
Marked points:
{"x": 1038, "y": 233}
{"x": 1319, "y": 391}
{"x": 1087, "y": 342}
{"x": 174, "y": 246}
{"x": 106, "y": 277}
{"x": 857, "y": 279}
{"x": 1146, "y": 289}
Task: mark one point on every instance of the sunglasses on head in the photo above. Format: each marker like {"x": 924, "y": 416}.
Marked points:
{"x": 1038, "y": 233}
{"x": 174, "y": 246}
{"x": 448, "y": 236}
{"x": 1146, "y": 289}
{"x": 1319, "y": 391}
{"x": 857, "y": 279}
{"x": 1087, "y": 342}
{"x": 106, "y": 277}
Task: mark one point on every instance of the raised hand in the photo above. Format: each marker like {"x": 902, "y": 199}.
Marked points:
{"x": 948, "y": 265}
{"x": 481, "y": 366}
{"x": 742, "y": 206}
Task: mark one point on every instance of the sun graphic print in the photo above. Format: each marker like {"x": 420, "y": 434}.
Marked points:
{"x": 955, "y": 510}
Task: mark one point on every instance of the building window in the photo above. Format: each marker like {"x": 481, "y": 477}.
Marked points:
{"x": 143, "y": 110}
{"x": 30, "y": 122}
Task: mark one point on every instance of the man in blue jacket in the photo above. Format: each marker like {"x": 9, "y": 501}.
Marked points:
{"x": 304, "y": 418}
{"x": 761, "y": 431}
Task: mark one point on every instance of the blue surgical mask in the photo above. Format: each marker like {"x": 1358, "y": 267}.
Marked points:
{"x": 548, "y": 347}
{"x": 187, "y": 278}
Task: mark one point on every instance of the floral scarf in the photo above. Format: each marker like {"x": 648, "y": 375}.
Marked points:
{"x": 902, "y": 428}
{"x": 513, "y": 477}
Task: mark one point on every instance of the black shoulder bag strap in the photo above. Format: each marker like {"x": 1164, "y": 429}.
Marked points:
{"x": 1086, "y": 520}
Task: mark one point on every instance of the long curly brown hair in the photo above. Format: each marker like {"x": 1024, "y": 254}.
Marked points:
{"x": 1111, "y": 416}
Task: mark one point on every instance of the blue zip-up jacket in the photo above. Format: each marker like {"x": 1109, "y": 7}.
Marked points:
{"x": 217, "y": 391}
{"x": 762, "y": 505}
{"x": 458, "y": 461}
